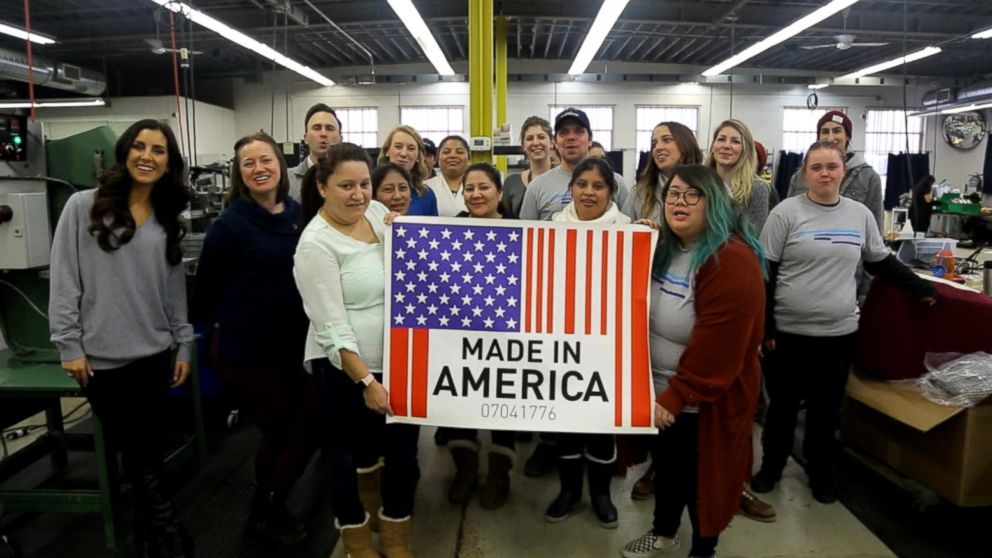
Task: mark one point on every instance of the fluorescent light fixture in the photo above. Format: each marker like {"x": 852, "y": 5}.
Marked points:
{"x": 784, "y": 34}
{"x": 22, "y": 34}
{"x": 243, "y": 40}
{"x": 59, "y": 103}
{"x": 410, "y": 17}
{"x": 987, "y": 34}
{"x": 881, "y": 67}
{"x": 815, "y": 86}
{"x": 608, "y": 14}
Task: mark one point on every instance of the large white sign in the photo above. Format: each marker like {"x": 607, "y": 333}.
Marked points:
{"x": 524, "y": 326}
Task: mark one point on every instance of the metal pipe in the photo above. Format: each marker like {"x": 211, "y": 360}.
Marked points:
{"x": 343, "y": 32}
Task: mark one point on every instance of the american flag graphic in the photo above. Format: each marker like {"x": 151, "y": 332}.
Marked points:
{"x": 517, "y": 278}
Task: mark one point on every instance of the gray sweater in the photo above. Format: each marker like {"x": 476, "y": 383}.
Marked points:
{"x": 549, "y": 193}
{"x": 114, "y": 307}
{"x": 861, "y": 184}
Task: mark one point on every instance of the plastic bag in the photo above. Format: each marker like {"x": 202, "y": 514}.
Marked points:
{"x": 955, "y": 379}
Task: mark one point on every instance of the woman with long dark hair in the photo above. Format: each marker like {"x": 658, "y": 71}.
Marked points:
{"x": 672, "y": 144}
{"x": 118, "y": 312}
{"x": 245, "y": 279}
{"x": 706, "y": 322}
{"x": 340, "y": 272}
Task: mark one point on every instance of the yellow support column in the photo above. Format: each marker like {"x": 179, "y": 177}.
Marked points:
{"x": 480, "y": 73}
{"x": 501, "y": 71}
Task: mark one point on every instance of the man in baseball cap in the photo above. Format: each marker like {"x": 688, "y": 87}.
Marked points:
{"x": 549, "y": 193}
{"x": 430, "y": 157}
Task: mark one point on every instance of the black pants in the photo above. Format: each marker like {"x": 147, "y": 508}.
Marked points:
{"x": 600, "y": 448}
{"x": 810, "y": 369}
{"x": 350, "y": 430}
{"x": 676, "y": 480}
{"x": 131, "y": 404}
{"x": 283, "y": 404}
{"x": 504, "y": 438}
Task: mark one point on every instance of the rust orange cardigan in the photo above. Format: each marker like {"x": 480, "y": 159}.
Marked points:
{"x": 719, "y": 371}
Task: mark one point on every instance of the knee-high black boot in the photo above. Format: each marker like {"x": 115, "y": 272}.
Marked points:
{"x": 163, "y": 532}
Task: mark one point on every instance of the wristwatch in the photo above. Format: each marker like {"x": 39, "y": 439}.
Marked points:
{"x": 366, "y": 380}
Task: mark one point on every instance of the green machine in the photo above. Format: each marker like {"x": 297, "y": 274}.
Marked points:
{"x": 35, "y": 184}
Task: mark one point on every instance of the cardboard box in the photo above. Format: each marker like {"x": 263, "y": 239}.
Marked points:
{"x": 946, "y": 449}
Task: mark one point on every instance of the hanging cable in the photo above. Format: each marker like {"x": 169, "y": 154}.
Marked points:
{"x": 175, "y": 80}
{"x": 27, "y": 28}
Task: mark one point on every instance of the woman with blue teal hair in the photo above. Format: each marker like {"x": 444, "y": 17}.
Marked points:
{"x": 706, "y": 327}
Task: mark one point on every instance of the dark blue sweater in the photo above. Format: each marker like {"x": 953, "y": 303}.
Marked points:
{"x": 245, "y": 287}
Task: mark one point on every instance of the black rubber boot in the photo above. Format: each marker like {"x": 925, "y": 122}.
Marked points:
{"x": 271, "y": 520}
{"x": 570, "y": 473}
{"x": 600, "y": 475}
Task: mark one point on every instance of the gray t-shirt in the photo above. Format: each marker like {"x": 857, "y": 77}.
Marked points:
{"x": 114, "y": 307}
{"x": 549, "y": 193}
{"x": 819, "y": 249}
{"x": 673, "y": 315}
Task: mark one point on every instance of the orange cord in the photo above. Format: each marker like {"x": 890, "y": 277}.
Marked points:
{"x": 27, "y": 27}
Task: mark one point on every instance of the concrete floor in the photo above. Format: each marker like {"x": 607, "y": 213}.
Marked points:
{"x": 804, "y": 527}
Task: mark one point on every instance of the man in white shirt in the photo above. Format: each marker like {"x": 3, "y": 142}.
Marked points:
{"x": 322, "y": 129}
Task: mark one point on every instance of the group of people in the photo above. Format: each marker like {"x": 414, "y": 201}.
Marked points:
{"x": 290, "y": 296}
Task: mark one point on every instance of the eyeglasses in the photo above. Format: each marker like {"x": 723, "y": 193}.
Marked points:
{"x": 690, "y": 197}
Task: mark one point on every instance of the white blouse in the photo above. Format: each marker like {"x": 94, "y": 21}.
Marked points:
{"x": 342, "y": 283}
{"x": 448, "y": 204}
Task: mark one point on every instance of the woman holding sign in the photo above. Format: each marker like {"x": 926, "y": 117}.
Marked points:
{"x": 707, "y": 322}
{"x": 593, "y": 185}
{"x": 483, "y": 192}
{"x": 340, "y": 272}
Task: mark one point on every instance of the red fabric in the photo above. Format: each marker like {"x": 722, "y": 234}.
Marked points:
{"x": 897, "y": 330}
{"x": 720, "y": 372}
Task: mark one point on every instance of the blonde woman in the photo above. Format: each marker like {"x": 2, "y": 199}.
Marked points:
{"x": 404, "y": 147}
{"x": 733, "y": 156}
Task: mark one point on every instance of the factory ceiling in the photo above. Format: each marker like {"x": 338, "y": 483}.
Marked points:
{"x": 129, "y": 40}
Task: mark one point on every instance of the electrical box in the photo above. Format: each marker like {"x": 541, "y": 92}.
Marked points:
{"x": 25, "y": 233}
{"x": 480, "y": 143}
{"x": 13, "y": 138}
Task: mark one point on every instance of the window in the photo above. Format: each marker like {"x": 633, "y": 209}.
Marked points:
{"x": 600, "y": 120}
{"x": 435, "y": 123}
{"x": 886, "y": 132}
{"x": 646, "y": 117}
{"x": 359, "y": 126}
{"x": 799, "y": 127}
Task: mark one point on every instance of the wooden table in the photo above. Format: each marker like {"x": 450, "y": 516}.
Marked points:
{"x": 47, "y": 382}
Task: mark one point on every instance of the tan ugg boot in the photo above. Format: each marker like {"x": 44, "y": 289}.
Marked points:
{"x": 357, "y": 540}
{"x": 466, "y": 457}
{"x": 370, "y": 493}
{"x": 394, "y": 537}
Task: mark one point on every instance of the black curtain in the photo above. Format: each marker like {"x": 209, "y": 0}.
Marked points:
{"x": 904, "y": 171}
{"x": 786, "y": 166}
{"x": 987, "y": 171}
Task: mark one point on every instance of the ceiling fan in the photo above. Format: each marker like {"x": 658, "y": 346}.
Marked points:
{"x": 159, "y": 48}
{"x": 844, "y": 40}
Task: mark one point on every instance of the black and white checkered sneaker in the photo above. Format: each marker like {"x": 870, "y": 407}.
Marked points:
{"x": 650, "y": 544}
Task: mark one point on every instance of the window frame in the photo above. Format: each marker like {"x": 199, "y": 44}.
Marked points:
{"x": 438, "y": 133}
{"x": 645, "y": 146}
{"x": 344, "y": 115}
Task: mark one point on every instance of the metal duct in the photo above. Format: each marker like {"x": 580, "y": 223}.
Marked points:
{"x": 48, "y": 73}
{"x": 939, "y": 97}
{"x": 980, "y": 91}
